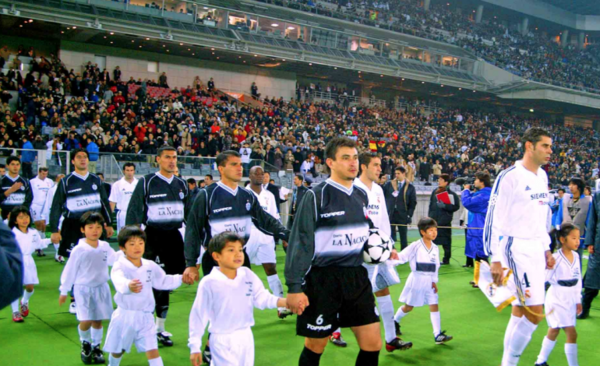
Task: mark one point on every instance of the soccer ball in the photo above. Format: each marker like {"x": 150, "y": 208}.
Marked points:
{"x": 378, "y": 248}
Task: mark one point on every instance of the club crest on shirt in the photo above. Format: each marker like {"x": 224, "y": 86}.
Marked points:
{"x": 248, "y": 206}
{"x": 22, "y": 188}
{"x": 149, "y": 275}
{"x": 94, "y": 187}
{"x": 491, "y": 289}
{"x": 181, "y": 195}
{"x": 105, "y": 256}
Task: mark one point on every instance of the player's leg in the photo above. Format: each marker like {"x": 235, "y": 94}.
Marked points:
{"x": 571, "y": 346}
{"x": 114, "y": 359}
{"x": 369, "y": 340}
{"x": 25, "y": 300}
{"x": 547, "y": 346}
{"x": 85, "y": 336}
{"x": 273, "y": 279}
{"x": 313, "y": 349}
{"x": 17, "y": 317}
{"x": 386, "y": 309}
{"x": 154, "y": 358}
{"x": 97, "y": 332}
{"x": 515, "y": 317}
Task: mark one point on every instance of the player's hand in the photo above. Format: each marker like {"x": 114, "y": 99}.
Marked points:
{"x": 297, "y": 302}
{"x": 109, "y": 230}
{"x": 579, "y": 309}
{"x": 434, "y": 287}
{"x": 550, "y": 261}
{"x": 467, "y": 187}
{"x": 62, "y": 299}
{"x": 190, "y": 275}
{"x": 55, "y": 238}
{"x": 497, "y": 273}
{"x": 15, "y": 187}
{"x": 284, "y": 244}
{"x": 394, "y": 255}
{"x": 196, "y": 359}
{"x": 591, "y": 249}
{"x": 135, "y": 286}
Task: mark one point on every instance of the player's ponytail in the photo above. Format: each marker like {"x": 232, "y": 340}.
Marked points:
{"x": 564, "y": 231}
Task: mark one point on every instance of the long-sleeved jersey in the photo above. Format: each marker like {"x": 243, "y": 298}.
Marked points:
{"x": 518, "y": 208}
{"x": 330, "y": 229}
{"x": 149, "y": 274}
{"x": 87, "y": 266}
{"x": 21, "y": 197}
{"x": 40, "y": 189}
{"x": 422, "y": 261}
{"x": 76, "y": 195}
{"x": 218, "y": 208}
{"x": 377, "y": 208}
{"x": 227, "y": 304}
{"x": 158, "y": 202}
{"x": 29, "y": 242}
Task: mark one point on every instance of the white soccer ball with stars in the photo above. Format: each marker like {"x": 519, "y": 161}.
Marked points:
{"x": 378, "y": 248}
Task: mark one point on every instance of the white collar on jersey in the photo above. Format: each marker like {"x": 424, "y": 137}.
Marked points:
{"x": 227, "y": 188}
{"x": 168, "y": 180}
{"x": 360, "y": 184}
{"x": 82, "y": 177}
{"x": 348, "y": 191}
{"x": 11, "y": 178}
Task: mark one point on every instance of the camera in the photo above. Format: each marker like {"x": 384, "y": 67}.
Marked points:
{"x": 461, "y": 181}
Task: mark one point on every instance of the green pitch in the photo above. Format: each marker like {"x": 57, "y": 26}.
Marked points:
{"x": 49, "y": 336}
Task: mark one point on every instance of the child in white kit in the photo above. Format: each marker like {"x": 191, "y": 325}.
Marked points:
{"x": 563, "y": 300}
{"x": 421, "y": 285}
{"x": 29, "y": 241}
{"x": 134, "y": 278}
{"x": 226, "y": 300}
{"x": 86, "y": 273}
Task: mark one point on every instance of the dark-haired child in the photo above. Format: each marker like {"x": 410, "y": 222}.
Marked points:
{"x": 421, "y": 286}
{"x": 226, "y": 300}
{"x": 563, "y": 300}
{"x": 29, "y": 241}
{"x": 86, "y": 273}
{"x": 134, "y": 278}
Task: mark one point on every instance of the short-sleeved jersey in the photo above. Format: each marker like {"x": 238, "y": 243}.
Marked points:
{"x": 40, "y": 188}
{"x": 121, "y": 193}
{"x": 21, "y": 197}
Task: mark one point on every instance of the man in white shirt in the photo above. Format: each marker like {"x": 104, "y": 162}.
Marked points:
{"x": 261, "y": 247}
{"x": 245, "y": 153}
{"x": 515, "y": 236}
{"x": 121, "y": 192}
{"x": 40, "y": 186}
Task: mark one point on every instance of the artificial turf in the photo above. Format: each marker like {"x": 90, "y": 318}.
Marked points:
{"x": 49, "y": 336}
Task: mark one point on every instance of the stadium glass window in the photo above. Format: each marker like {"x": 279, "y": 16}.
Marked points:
{"x": 152, "y": 66}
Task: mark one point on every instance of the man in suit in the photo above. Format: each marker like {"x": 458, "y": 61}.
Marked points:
{"x": 276, "y": 190}
{"x": 106, "y": 186}
{"x": 297, "y": 195}
{"x": 401, "y": 201}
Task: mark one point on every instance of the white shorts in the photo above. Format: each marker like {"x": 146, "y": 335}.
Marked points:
{"x": 30, "y": 275}
{"x": 527, "y": 260}
{"x": 129, "y": 327}
{"x": 382, "y": 275}
{"x": 418, "y": 291}
{"x": 121, "y": 220}
{"x": 260, "y": 248}
{"x": 561, "y": 307}
{"x": 93, "y": 303}
{"x": 233, "y": 349}
{"x": 36, "y": 213}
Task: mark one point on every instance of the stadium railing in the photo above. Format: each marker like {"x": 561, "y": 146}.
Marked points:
{"x": 55, "y": 161}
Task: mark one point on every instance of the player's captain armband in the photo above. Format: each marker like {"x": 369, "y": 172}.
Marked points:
{"x": 499, "y": 296}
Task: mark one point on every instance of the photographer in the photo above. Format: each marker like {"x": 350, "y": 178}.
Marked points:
{"x": 476, "y": 202}
{"x": 442, "y": 213}
{"x": 401, "y": 200}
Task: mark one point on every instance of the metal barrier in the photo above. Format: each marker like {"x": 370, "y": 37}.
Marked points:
{"x": 57, "y": 162}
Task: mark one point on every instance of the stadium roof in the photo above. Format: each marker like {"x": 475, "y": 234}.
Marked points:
{"x": 582, "y": 7}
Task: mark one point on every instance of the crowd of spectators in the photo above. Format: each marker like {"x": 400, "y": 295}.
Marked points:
{"x": 200, "y": 121}
{"x": 534, "y": 55}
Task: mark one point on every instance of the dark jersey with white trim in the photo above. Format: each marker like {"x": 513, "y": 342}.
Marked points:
{"x": 330, "y": 229}
{"x": 158, "y": 202}
{"x": 76, "y": 195}
{"x": 21, "y": 197}
{"x": 218, "y": 208}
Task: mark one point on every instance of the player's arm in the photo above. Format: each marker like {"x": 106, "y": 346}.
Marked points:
{"x": 114, "y": 197}
{"x": 412, "y": 202}
{"x": 106, "y": 211}
{"x": 28, "y": 195}
{"x": 119, "y": 280}
{"x": 499, "y": 209}
{"x": 267, "y": 223}
{"x": 195, "y": 229}
{"x": 162, "y": 281}
{"x": 408, "y": 253}
{"x": 58, "y": 202}
{"x": 137, "y": 204}
{"x": 474, "y": 203}
{"x": 301, "y": 247}
{"x": 199, "y": 317}
{"x": 386, "y": 226}
{"x": 69, "y": 274}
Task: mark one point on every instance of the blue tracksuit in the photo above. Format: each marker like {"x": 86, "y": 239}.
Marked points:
{"x": 477, "y": 205}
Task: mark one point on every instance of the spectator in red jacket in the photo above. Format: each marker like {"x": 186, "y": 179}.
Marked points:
{"x": 140, "y": 132}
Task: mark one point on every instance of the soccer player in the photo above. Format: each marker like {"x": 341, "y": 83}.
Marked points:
{"x": 563, "y": 302}
{"x": 515, "y": 236}
{"x": 46, "y": 213}
{"x": 40, "y": 186}
{"x": 421, "y": 287}
{"x": 327, "y": 285}
{"x": 15, "y": 190}
{"x": 261, "y": 247}
{"x": 121, "y": 192}
{"x": 86, "y": 273}
{"x": 382, "y": 275}
{"x": 226, "y": 299}
{"x": 160, "y": 202}
{"x": 134, "y": 278}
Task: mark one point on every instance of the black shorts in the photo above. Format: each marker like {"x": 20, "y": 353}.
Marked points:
{"x": 208, "y": 263}
{"x": 338, "y": 297}
{"x": 70, "y": 233}
{"x": 165, "y": 248}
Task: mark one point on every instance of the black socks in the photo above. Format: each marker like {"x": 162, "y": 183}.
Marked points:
{"x": 309, "y": 358}
{"x": 367, "y": 358}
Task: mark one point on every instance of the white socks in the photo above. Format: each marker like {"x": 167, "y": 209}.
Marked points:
{"x": 571, "y": 352}
{"x": 436, "y": 322}
{"x": 26, "y": 297}
{"x": 85, "y": 335}
{"x": 56, "y": 246}
{"x": 547, "y": 347}
{"x": 275, "y": 285}
{"x": 509, "y": 330}
{"x": 156, "y": 362}
{"x": 518, "y": 341}
{"x": 15, "y": 306}
{"x": 113, "y": 361}
{"x": 386, "y": 308}
{"x": 160, "y": 324}
{"x": 399, "y": 315}
{"x": 97, "y": 336}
